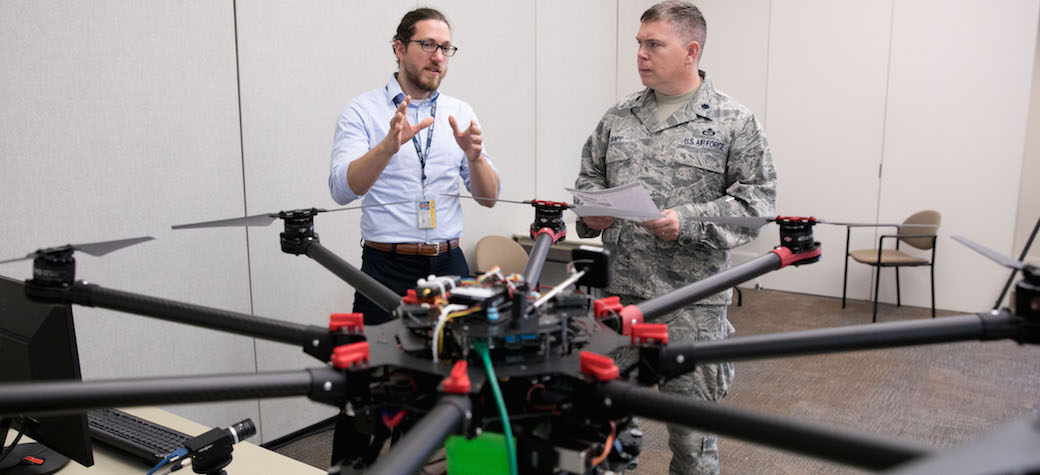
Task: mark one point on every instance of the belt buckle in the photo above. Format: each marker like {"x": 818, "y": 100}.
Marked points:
{"x": 436, "y": 248}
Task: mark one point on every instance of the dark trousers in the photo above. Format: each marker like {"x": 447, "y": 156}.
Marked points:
{"x": 398, "y": 272}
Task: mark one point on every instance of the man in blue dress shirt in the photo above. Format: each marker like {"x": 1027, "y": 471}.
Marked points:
{"x": 372, "y": 159}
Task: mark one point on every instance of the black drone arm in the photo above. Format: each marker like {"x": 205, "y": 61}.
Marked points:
{"x": 378, "y": 293}
{"x": 92, "y": 295}
{"x": 536, "y": 260}
{"x": 830, "y": 443}
{"x": 665, "y": 361}
{"x": 415, "y": 448}
{"x": 659, "y": 306}
{"x": 65, "y": 397}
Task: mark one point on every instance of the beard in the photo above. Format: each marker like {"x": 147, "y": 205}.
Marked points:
{"x": 416, "y": 76}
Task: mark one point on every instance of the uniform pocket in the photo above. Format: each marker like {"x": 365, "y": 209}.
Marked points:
{"x": 695, "y": 176}
{"x": 704, "y": 158}
{"x": 620, "y": 160}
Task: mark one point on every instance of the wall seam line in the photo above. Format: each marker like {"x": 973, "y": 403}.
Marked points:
{"x": 245, "y": 206}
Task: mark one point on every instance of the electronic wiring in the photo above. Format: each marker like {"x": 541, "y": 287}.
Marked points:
{"x": 438, "y": 329}
{"x": 482, "y": 349}
{"x": 173, "y": 457}
{"x": 606, "y": 446}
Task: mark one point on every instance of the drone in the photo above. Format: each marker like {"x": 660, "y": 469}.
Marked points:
{"x": 490, "y": 365}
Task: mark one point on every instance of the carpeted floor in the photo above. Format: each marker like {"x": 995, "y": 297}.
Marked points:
{"x": 939, "y": 395}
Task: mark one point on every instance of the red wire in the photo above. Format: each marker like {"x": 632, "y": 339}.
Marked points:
{"x": 391, "y": 422}
{"x": 606, "y": 447}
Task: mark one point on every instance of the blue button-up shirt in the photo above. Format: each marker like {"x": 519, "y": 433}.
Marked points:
{"x": 363, "y": 124}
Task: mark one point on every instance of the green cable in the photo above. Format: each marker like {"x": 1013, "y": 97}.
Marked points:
{"x": 482, "y": 349}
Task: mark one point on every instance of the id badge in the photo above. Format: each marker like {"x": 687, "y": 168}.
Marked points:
{"x": 427, "y": 216}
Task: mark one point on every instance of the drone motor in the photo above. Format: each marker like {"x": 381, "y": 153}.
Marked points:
{"x": 54, "y": 267}
{"x": 796, "y": 234}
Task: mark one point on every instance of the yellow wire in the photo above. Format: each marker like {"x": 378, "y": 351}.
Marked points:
{"x": 463, "y": 313}
{"x": 450, "y": 316}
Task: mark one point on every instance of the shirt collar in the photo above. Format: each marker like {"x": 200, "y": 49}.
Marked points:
{"x": 644, "y": 106}
{"x": 393, "y": 90}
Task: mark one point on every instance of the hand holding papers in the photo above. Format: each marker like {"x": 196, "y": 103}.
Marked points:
{"x": 630, "y": 201}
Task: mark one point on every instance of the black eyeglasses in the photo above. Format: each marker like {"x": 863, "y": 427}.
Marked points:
{"x": 431, "y": 47}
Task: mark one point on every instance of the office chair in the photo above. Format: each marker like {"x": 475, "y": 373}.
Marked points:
{"x": 922, "y": 236}
{"x": 500, "y": 251}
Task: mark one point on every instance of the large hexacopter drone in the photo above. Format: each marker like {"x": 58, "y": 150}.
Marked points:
{"x": 490, "y": 366}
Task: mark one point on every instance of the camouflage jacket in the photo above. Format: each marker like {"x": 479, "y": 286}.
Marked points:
{"x": 710, "y": 158}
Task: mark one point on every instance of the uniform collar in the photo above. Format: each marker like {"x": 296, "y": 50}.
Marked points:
{"x": 703, "y": 104}
{"x": 393, "y": 90}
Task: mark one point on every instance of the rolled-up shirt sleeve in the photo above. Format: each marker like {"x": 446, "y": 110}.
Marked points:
{"x": 351, "y": 141}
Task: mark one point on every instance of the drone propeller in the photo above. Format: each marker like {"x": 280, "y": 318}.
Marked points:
{"x": 759, "y": 221}
{"x": 990, "y": 253}
{"x": 746, "y": 221}
{"x": 94, "y": 248}
{"x": 481, "y": 198}
{"x": 266, "y": 219}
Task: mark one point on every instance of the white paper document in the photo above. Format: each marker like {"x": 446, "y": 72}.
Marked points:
{"x": 630, "y": 201}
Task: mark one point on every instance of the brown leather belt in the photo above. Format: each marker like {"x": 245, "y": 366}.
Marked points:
{"x": 415, "y": 249}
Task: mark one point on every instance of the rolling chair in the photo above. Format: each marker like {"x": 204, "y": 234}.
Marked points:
{"x": 500, "y": 251}
{"x": 921, "y": 235}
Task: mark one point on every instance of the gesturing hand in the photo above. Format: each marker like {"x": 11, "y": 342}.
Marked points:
{"x": 400, "y": 130}
{"x": 469, "y": 140}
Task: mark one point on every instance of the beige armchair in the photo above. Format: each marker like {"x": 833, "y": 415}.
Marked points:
{"x": 919, "y": 230}
{"x": 500, "y": 251}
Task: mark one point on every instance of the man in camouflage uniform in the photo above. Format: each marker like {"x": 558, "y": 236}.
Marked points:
{"x": 699, "y": 153}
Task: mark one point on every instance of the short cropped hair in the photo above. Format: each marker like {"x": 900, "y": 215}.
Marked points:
{"x": 685, "y": 18}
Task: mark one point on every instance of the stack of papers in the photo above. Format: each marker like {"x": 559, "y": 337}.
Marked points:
{"x": 631, "y": 201}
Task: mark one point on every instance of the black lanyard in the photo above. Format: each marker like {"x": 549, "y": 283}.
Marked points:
{"x": 418, "y": 151}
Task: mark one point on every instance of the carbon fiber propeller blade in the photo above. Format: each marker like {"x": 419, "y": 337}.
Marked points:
{"x": 487, "y": 199}
{"x": 105, "y": 247}
{"x": 30, "y": 256}
{"x": 759, "y": 221}
{"x": 1009, "y": 449}
{"x": 266, "y": 219}
{"x": 746, "y": 221}
{"x": 93, "y": 248}
{"x": 376, "y": 205}
{"x": 990, "y": 253}
{"x": 837, "y": 223}
{"x": 255, "y": 220}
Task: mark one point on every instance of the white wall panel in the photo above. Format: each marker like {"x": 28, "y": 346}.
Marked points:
{"x": 300, "y": 64}
{"x": 828, "y": 63}
{"x": 574, "y": 90}
{"x": 957, "y": 109}
{"x": 1029, "y": 193}
{"x": 118, "y": 120}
